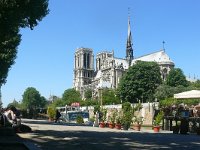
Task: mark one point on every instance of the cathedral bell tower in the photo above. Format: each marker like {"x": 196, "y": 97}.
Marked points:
{"x": 129, "y": 49}
{"x": 83, "y": 68}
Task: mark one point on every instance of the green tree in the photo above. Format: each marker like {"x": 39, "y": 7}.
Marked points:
{"x": 43, "y": 102}
{"x": 14, "y": 103}
{"x": 32, "y": 99}
{"x": 0, "y": 100}
{"x": 70, "y": 96}
{"x": 88, "y": 102}
{"x": 16, "y": 14}
{"x": 164, "y": 91}
{"x": 127, "y": 115}
{"x": 57, "y": 103}
{"x": 88, "y": 94}
{"x": 109, "y": 97}
{"x": 176, "y": 78}
{"x": 140, "y": 82}
{"x": 196, "y": 84}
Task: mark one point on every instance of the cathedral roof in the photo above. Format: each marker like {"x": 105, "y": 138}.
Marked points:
{"x": 160, "y": 57}
{"x": 119, "y": 61}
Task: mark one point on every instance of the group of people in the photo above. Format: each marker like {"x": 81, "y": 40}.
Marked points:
{"x": 10, "y": 117}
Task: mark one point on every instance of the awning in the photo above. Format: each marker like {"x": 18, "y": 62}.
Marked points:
{"x": 188, "y": 94}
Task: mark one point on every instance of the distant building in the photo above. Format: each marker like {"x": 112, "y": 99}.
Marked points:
{"x": 109, "y": 69}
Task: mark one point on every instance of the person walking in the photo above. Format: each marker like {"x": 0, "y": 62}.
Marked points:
{"x": 58, "y": 115}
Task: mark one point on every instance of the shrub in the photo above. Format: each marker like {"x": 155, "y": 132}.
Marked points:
{"x": 51, "y": 112}
{"x": 158, "y": 118}
{"x": 127, "y": 114}
{"x": 79, "y": 119}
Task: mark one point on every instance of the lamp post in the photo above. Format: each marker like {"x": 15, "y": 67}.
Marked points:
{"x": 154, "y": 109}
{"x": 100, "y": 96}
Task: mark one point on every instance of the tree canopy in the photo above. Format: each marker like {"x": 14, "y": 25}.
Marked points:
{"x": 70, "y": 96}
{"x": 109, "y": 97}
{"x": 140, "y": 82}
{"x": 16, "y": 14}
{"x": 196, "y": 84}
{"x": 176, "y": 78}
{"x": 88, "y": 94}
{"x": 14, "y": 103}
{"x": 32, "y": 99}
{"x": 165, "y": 91}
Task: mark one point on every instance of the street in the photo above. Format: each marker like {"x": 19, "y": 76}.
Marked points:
{"x": 50, "y": 136}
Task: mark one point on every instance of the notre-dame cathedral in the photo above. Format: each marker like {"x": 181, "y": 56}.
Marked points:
{"x": 109, "y": 69}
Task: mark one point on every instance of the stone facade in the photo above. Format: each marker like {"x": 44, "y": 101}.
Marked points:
{"x": 108, "y": 68}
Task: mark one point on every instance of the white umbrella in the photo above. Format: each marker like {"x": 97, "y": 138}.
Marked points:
{"x": 188, "y": 94}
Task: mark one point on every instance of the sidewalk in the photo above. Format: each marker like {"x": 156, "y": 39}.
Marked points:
{"x": 9, "y": 140}
{"x": 62, "y": 136}
{"x": 34, "y": 124}
{"x": 50, "y": 135}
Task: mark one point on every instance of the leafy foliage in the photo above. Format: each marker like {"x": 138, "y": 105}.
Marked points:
{"x": 109, "y": 97}
{"x": 140, "y": 82}
{"x": 176, "y": 78}
{"x": 165, "y": 91}
{"x": 88, "y": 102}
{"x": 196, "y": 84}
{"x": 32, "y": 99}
{"x": 127, "y": 114}
{"x": 14, "y": 103}
{"x": 58, "y": 102}
{"x": 51, "y": 112}
{"x": 113, "y": 116}
{"x": 119, "y": 119}
{"x": 158, "y": 118}
{"x": 1, "y": 103}
{"x": 70, "y": 96}
{"x": 137, "y": 120}
{"x": 96, "y": 108}
{"x": 104, "y": 115}
{"x": 79, "y": 119}
{"x": 167, "y": 102}
{"x": 13, "y": 15}
{"x": 88, "y": 94}
{"x": 188, "y": 102}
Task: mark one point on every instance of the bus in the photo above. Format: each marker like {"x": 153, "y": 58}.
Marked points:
{"x": 70, "y": 113}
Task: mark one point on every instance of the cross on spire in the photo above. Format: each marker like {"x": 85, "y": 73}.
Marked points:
{"x": 163, "y": 45}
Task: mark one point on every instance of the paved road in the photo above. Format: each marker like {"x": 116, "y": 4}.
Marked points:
{"x": 50, "y": 136}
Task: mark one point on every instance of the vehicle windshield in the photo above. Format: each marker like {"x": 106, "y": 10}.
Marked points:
{"x": 73, "y": 115}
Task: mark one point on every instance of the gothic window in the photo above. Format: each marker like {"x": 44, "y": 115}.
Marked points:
{"x": 88, "y": 60}
{"x": 78, "y": 61}
{"x": 84, "y": 60}
{"x": 99, "y": 63}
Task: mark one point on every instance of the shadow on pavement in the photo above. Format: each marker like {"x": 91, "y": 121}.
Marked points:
{"x": 92, "y": 140}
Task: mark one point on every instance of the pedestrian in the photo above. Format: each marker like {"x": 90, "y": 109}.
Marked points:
{"x": 13, "y": 117}
{"x": 58, "y": 115}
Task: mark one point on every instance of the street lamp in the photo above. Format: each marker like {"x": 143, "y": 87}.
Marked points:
{"x": 100, "y": 96}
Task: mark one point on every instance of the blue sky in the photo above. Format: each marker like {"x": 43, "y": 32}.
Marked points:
{"x": 46, "y": 54}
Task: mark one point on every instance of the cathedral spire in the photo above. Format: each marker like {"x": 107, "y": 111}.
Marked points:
{"x": 129, "y": 49}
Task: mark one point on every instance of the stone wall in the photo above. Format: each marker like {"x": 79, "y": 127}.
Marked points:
{"x": 146, "y": 112}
